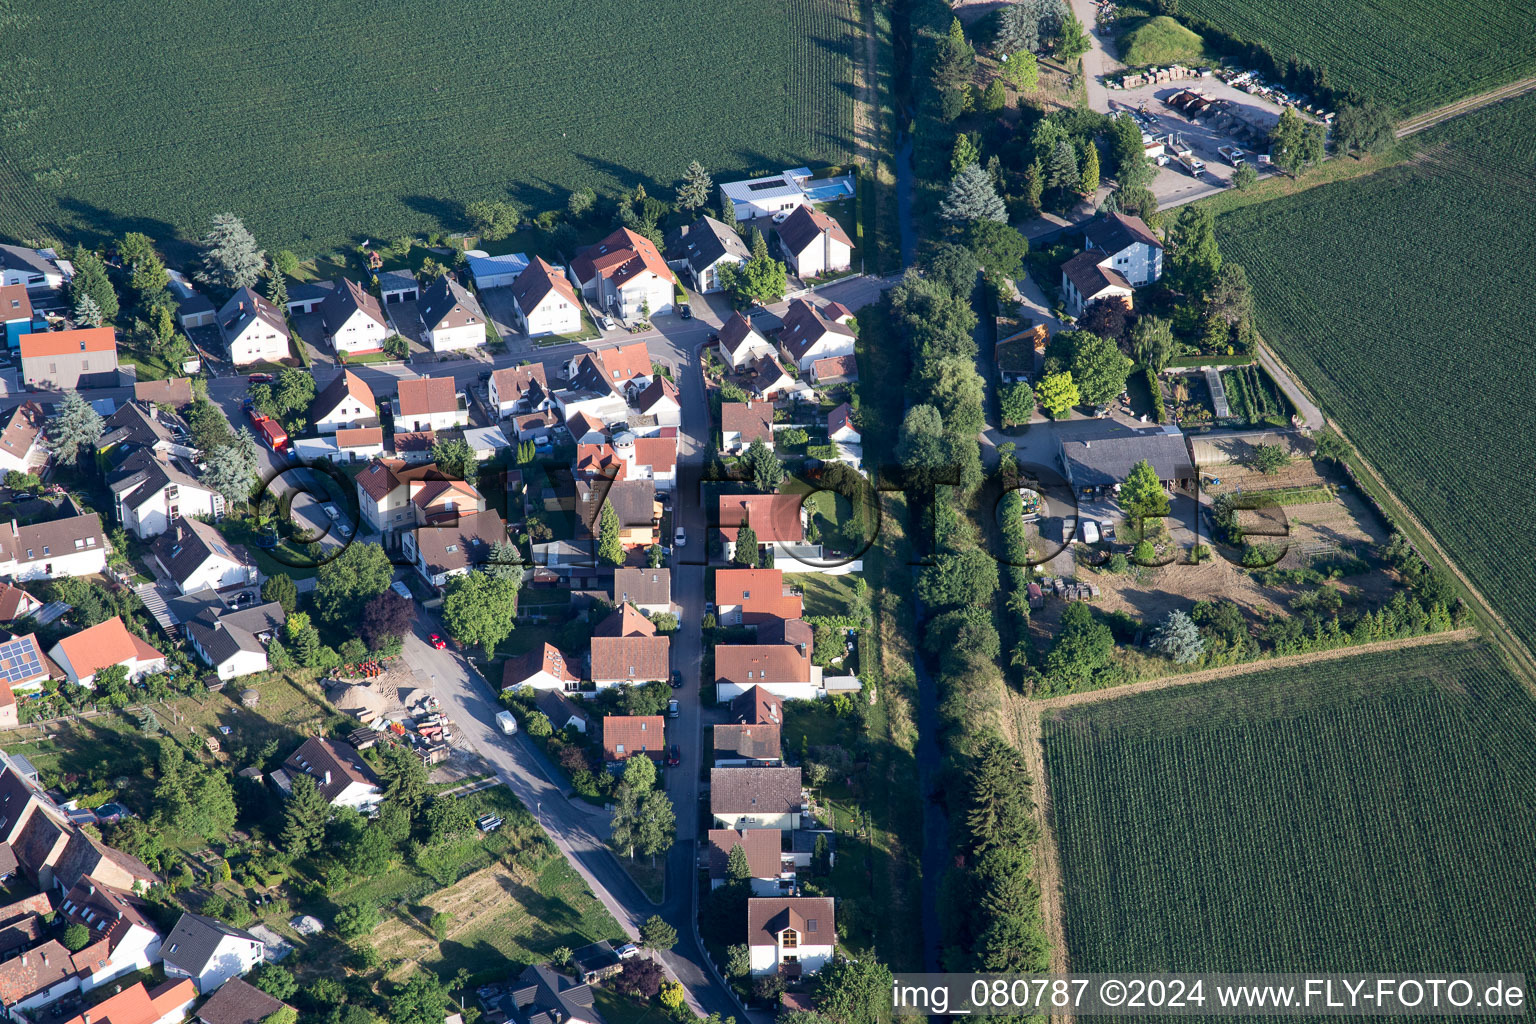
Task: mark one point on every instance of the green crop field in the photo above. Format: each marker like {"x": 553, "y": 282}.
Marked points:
{"x": 1366, "y": 814}
{"x": 1401, "y": 300}
{"x": 323, "y": 121}
{"x": 1409, "y": 54}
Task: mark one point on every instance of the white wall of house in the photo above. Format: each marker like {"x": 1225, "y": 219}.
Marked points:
{"x": 241, "y": 663}
{"x": 360, "y": 796}
{"x": 749, "y": 351}
{"x": 822, "y": 254}
{"x": 258, "y": 343}
{"x": 53, "y": 278}
{"x": 760, "y": 886}
{"x": 453, "y": 339}
{"x": 231, "y": 958}
{"x": 756, "y": 819}
{"x": 389, "y": 514}
{"x": 829, "y": 345}
{"x": 360, "y": 453}
{"x": 553, "y": 315}
{"x": 136, "y": 668}
{"x": 708, "y": 279}
{"x": 152, "y": 516}
{"x": 218, "y": 572}
{"x": 725, "y": 691}
{"x": 766, "y": 959}
{"x": 609, "y": 408}
{"x": 648, "y": 287}
{"x": 21, "y": 463}
{"x": 44, "y": 997}
{"x": 432, "y": 420}
{"x": 360, "y": 333}
{"x": 349, "y": 412}
{"x": 542, "y": 680}
{"x": 47, "y": 567}
{"x": 1139, "y": 263}
{"x": 138, "y": 949}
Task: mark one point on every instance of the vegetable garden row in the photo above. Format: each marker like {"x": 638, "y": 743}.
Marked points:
{"x": 1370, "y": 813}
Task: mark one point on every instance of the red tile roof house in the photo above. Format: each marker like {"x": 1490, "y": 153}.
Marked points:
{"x": 814, "y": 243}
{"x": 790, "y": 935}
{"x": 340, "y": 774}
{"x": 742, "y": 423}
{"x": 777, "y": 519}
{"x": 543, "y": 668}
{"x": 451, "y": 318}
{"x": 442, "y": 550}
{"x": 625, "y": 274}
{"x": 21, "y": 445}
{"x": 780, "y": 664}
{"x": 255, "y": 330}
{"x": 741, "y": 343}
{"x": 747, "y": 745}
{"x": 515, "y": 390}
{"x": 429, "y": 403}
{"x": 625, "y": 649}
{"x": 347, "y": 403}
{"x": 763, "y": 858}
{"x": 123, "y": 936}
{"x": 63, "y": 360}
{"x": 544, "y": 301}
{"x": 624, "y": 736}
{"x": 109, "y": 643}
{"x": 38, "y": 977}
{"x": 749, "y": 597}
{"x": 753, "y": 798}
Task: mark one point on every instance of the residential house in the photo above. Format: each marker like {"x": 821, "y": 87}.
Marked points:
{"x": 347, "y": 403}
{"x": 16, "y": 603}
{"x": 626, "y": 649}
{"x": 1086, "y": 279}
{"x": 74, "y": 546}
{"x": 21, "y": 442}
{"x": 835, "y": 370}
{"x": 541, "y": 996}
{"x": 750, "y": 597}
{"x": 108, "y": 643}
{"x": 196, "y": 556}
{"x": 339, "y": 773}
{"x": 232, "y": 643}
{"x": 542, "y": 668}
{"x": 486, "y": 442}
{"x": 741, "y": 343}
{"x": 414, "y": 446}
{"x": 430, "y": 403}
{"x": 193, "y": 308}
{"x": 238, "y": 1002}
{"x": 767, "y": 380}
{"x": 659, "y": 406}
{"x": 790, "y": 935}
{"x": 42, "y": 975}
{"x": 152, "y": 490}
{"x": 69, "y": 360}
{"x": 1128, "y": 245}
{"x": 544, "y": 302}
{"x": 515, "y": 390}
{"x": 16, "y": 316}
{"x": 175, "y": 393}
{"x": 168, "y": 1003}
{"x": 254, "y": 330}
{"x": 627, "y": 735}
{"x": 810, "y": 333}
{"x": 649, "y": 590}
{"x": 562, "y": 712}
{"x": 396, "y": 286}
{"x": 140, "y": 425}
{"x": 34, "y": 269}
{"x": 814, "y": 243}
{"x": 700, "y": 249}
{"x": 624, "y": 274}
{"x": 758, "y": 707}
{"x": 780, "y": 662}
{"x": 766, "y": 196}
{"x": 634, "y": 501}
{"x": 359, "y": 445}
{"x": 1096, "y": 466}
{"x": 123, "y": 937}
{"x": 22, "y": 669}
{"x": 586, "y": 429}
{"x": 776, "y": 519}
{"x": 451, "y": 318}
{"x": 1019, "y": 347}
{"x": 209, "y": 951}
{"x": 445, "y": 549}
{"x": 756, "y": 798}
{"x": 844, "y": 436}
{"x": 630, "y": 458}
{"x": 761, "y": 846}
{"x": 743, "y": 423}
{"x": 751, "y": 745}
{"x": 353, "y": 319}
{"x": 623, "y": 368}
{"x": 392, "y": 495}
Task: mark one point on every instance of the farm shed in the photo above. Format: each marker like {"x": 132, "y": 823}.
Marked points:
{"x": 1232, "y": 449}
{"x": 1102, "y": 462}
{"x": 496, "y": 271}
{"x": 397, "y": 286}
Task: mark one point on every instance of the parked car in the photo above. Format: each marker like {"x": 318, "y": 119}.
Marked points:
{"x": 437, "y": 641}
{"x": 679, "y": 538}
{"x": 333, "y": 512}
{"x": 627, "y": 950}
{"x": 400, "y": 588}
{"x": 677, "y": 680}
{"x": 674, "y": 756}
{"x": 259, "y": 378}
{"x": 673, "y": 708}
{"x": 607, "y": 323}
{"x": 685, "y": 311}
{"x": 1088, "y": 532}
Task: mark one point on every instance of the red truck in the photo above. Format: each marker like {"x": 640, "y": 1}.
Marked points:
{"x": 271, "y": 431}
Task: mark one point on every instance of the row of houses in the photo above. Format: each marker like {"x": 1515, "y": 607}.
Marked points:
{"x": 810, "y": 243}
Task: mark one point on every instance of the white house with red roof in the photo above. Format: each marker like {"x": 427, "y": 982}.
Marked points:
{"x": 814, "y": 243}
{"x": 658, "y": 406}
{"x": 346, "y": 404}
{"x": 101, "y": 646}
{"x": 625, "y": 274}
{"x": 544, "y": 302}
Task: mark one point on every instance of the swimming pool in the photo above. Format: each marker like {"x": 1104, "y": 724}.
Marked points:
{"x": 829, "y": 193}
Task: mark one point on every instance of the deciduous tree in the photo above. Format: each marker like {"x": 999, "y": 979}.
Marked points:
{"x": 387, "y": 619}
{"x": 1098, "y": 366}
{"x": 347, "y": 582}
{"x": 1057, "y": 394}
{"x": 1142, "y": 495}
{"x": 479, "y": 610}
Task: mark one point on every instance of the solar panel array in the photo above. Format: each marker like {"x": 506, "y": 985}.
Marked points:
{"x": 19, "y": 661}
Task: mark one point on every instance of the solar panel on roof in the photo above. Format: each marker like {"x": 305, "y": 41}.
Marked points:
{"x": 18, "y": 661}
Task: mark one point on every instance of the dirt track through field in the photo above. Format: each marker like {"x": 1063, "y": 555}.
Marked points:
{"x": 1026, "y": 714}
{"x": 1414, "y": 125}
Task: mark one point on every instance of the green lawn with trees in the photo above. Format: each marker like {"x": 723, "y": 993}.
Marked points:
{"x": 370, "y": 123}
{"x": 1358, "y": 810}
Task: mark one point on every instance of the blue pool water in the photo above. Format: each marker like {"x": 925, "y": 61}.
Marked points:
{"x": 827, "y": 193}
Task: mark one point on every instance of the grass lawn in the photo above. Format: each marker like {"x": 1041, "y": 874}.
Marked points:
{"x": 620, "y": 1009}
{"x": 823, "y": 594}
{"x": 387, "y": 121}
{"x": 651, "y": 878}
